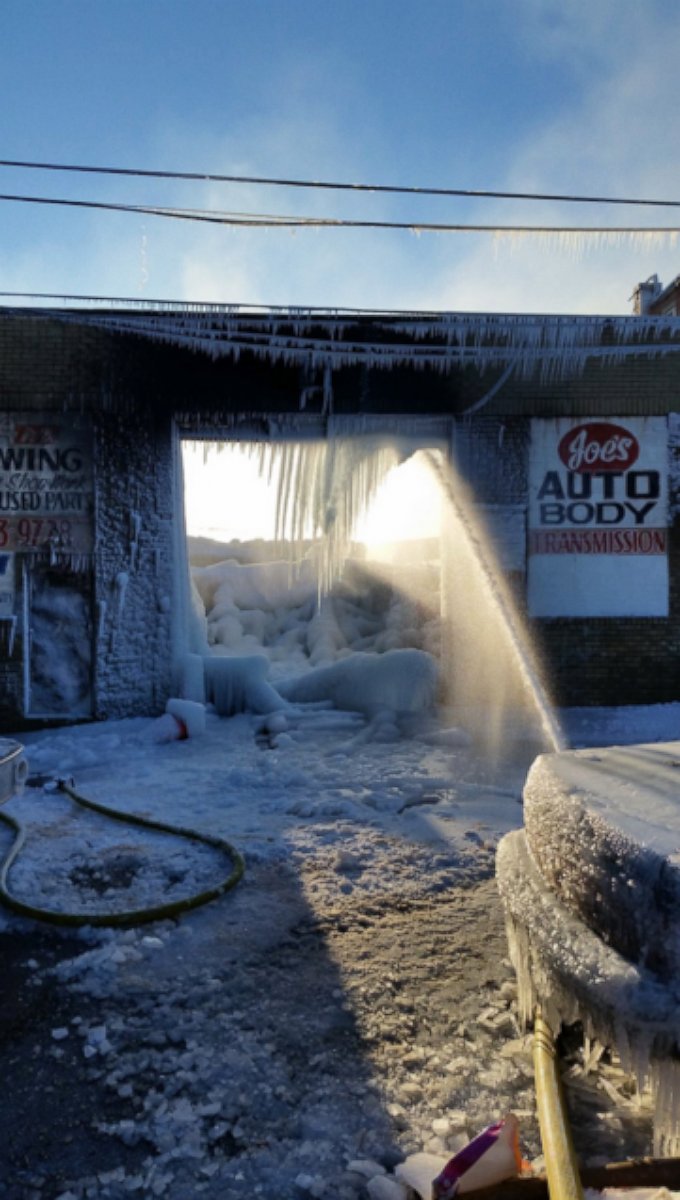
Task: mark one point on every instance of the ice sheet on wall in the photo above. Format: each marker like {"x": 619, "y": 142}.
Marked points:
{"x": 60, "y": 648}
{"x": 598, "y": 516}
{"x": 7, "y": 584}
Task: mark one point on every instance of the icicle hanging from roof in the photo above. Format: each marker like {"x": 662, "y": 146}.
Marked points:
{"x": 324, "y": 486}
{"x": 552, "y": 347}
{"x": 323, "y": 489}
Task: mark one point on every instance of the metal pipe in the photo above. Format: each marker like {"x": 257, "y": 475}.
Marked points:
{"x": 564, "y": 1182}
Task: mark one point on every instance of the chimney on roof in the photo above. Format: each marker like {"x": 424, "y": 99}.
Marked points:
{"x": 644, "y": 295}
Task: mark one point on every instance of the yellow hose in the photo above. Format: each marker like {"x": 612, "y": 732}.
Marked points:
{"x": 158, "y": 912}
{"x": 561, "y": 1168}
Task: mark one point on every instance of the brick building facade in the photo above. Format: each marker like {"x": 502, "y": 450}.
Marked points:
{"x": 93, "y": 404}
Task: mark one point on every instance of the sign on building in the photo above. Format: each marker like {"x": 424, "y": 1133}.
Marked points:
{"x": 598, "y": 516}
{"x": 46, "y": 488}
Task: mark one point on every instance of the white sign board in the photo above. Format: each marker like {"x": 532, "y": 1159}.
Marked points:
{"x": 598, "y": 516}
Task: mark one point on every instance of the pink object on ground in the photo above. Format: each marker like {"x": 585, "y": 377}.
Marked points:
{"x": 492, "y": 1156}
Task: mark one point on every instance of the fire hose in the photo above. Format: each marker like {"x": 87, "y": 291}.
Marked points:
{"x": 130, "y": 917}
{"x": 561, "y": 1168}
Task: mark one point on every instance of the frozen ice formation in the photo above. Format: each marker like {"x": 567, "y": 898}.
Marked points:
{"x": 398, "y": 681}
{"x": 550, "y": 346}
{"x": 588, "y": 895}
{"x": 240, "y": 684}
{"x": 604, "y": 826}
{"x": 190, "y": 713}
{"x": 565, "y": 967}
{"x": 401, "y": 681}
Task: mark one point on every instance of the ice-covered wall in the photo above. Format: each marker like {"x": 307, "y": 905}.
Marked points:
{"x": 674, "y": 466}
{"x": 134, "y": 557}
{"x": 479, "y": 378}
{"x": 492, "y": 452}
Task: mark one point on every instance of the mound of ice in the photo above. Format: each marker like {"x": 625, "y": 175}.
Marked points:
{"x": 265, "y": 585}
{"x": 273, "y": 608}
{"x": 189, "y": 713}
{"x": 399, "y": 681}
{"x": 237, "y": 685}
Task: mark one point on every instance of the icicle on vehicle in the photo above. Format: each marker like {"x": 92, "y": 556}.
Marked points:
{"x": 591, "y": 891}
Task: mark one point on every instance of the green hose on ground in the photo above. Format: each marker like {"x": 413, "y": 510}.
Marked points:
{"x": 138, "y": 916}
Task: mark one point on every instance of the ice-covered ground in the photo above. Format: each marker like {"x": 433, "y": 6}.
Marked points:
{"x": 350, "y": 1002}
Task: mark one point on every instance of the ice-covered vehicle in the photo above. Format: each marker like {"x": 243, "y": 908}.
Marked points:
{"x": 13, "y": 768}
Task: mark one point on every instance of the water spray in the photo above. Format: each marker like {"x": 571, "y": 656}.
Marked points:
{"x": 501, "y": 603}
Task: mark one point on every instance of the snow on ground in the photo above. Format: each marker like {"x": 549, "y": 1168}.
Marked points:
{"x": 350, "y": 1002}
{"x": 408, "y": 800}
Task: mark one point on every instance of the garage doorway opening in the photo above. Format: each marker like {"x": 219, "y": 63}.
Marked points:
{"x": 367, "y": 546}
{"x": 305, "y": 563}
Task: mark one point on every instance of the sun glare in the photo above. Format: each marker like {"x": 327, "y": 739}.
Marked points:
{"x": 226, "y": 498}
{"x": 406, "y": 507}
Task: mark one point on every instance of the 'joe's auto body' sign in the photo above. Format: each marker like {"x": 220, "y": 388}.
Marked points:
{"x": 598, "y": 517}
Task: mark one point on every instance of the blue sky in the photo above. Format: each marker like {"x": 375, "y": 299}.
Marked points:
{"x": 498, "y": 94}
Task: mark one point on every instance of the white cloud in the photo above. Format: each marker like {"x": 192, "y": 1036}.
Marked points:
{"x": 618, "y": 140}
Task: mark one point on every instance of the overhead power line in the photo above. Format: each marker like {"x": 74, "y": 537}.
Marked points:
{"x": 238, "y": 307}
{"x": 272, "y": 221}
{"x": 262, "y": 180}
